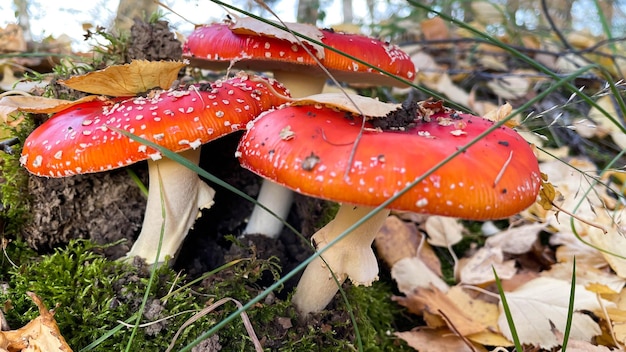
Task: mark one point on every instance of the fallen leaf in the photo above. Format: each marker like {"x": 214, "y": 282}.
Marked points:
{"x": 252, "y": 26}
{"x": 9, "y": 105}
{"x": 539, "y": 302}
{"x": 436, "y": 302}
{"x": 443, "y": 231}
{"x": 487, "y": 13}
{"x": 510, "y": 87}
{"x": 12, "y": 39}
{"x": 586, "y": 274}
{"x": 614, "y": 245}
{"x": 577, "y": 345}
{"x": 499, "y": 114}
{"x": 435, "y": 29}
{"x": 516, "y": 240}
{"x": 411, "y": 273}
{"x": 478, "y": 269}
{"x": 127, "y": 80}
{"x": 396, "y": 240}
{"x": 439, "y": 340}
{"x": 353, "y": 103}
{"x": 40, "y": 334}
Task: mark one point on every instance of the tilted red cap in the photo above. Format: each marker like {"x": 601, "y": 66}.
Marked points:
{"x": 307, "y": 148}
{"x": 217, "y": 46}
{"x": 83, "y": 139}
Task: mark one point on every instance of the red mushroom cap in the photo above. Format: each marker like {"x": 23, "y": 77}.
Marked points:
{"x": 217, "y": 46}
{"x": 82, "y": 138}
{"x": 307, "y": 148}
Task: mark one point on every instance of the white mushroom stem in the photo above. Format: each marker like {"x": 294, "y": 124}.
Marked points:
{"x": 352, "y": 257}
{"x": 277, "y": 198}
{"x": 175, "y": 196}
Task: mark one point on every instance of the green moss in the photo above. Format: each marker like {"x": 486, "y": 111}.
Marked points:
{"x": 375, "y": 314}
{"x": 92, "y": 295}
{"x": 15, "y": 203}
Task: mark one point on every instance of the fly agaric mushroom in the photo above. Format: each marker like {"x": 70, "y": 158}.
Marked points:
{"x": 250, "y": 44}
{"x": 85, "y": 138}
{"x": 494, "y": 178}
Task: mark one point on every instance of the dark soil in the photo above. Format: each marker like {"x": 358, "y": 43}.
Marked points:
{"x": 108, "y": 207}
{"x": 105, "y": 208}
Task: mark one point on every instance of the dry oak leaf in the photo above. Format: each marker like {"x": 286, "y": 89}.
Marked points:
{"x": 436, "y": 340}
{"x": 39, "y": 335}
{"x": 127, "y": 80}
{"x": 396, "y": 240}
{"x": 436, "y": 302}
{"x": 544, "y": 301}
{"x": 482, "y": 311}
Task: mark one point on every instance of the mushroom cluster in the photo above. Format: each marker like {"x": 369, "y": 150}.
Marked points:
{"x": 496, "y": 177}
{"x": 92, "y": 137}
{"x": 249, "y": 44}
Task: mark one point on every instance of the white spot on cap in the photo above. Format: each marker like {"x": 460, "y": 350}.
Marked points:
{"x": 422, "y": 202}
{"x": 38, "y": 161}
{"x": 58, "y": 154}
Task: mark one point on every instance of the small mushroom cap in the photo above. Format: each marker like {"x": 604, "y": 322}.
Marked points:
{"x": 216, "y": 47}
{"x": 307, "y": 148}
{"x": 83, "y": 138}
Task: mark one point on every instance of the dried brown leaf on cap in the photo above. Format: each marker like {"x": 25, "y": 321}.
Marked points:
{"x": 252, "y": 26}
{"x": 9, "y": 105}
{"x": 127, "y": 80}
{"x": 352, "y": 103}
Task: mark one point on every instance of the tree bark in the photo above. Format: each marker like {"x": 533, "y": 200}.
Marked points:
{"x": 308, "y": 11}
{"x": 128, "y": 10}
{"x": 23, "y": 18}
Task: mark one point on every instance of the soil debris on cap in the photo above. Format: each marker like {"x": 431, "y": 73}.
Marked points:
{"x": 408, "y": 115}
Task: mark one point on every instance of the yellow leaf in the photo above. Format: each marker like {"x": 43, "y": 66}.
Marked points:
{"x": 599, "y": 288}
{"x": 438, "y": 303}
{"x": 127, "y": 80}
{"x": 547, "y": 194}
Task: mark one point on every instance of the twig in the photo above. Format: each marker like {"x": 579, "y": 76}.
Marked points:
{"x": 599, "y": 227}
{"x": 557, "y": 31}
{"x": 6, "y": 144}
{"x": 207, "y": 310}
{"x": 453, "y": 328}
